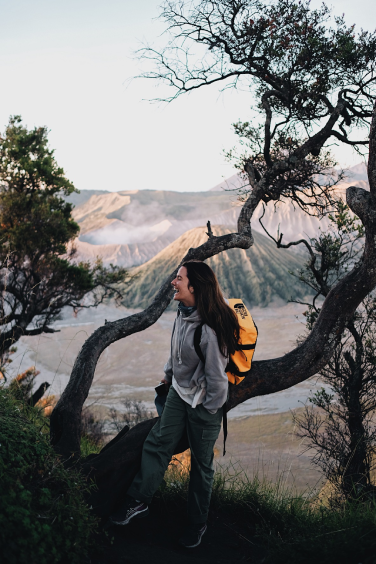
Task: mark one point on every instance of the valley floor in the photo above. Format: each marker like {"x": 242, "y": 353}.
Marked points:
{"x": 261, "y": 438}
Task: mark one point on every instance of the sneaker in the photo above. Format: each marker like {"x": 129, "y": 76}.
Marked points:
{"x": 193, "y": 535}
{"x": 132, "y": 508}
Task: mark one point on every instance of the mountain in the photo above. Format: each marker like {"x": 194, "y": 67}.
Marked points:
{"x": 136, "y": 216}
{"x": 358, "y": 174}
{"x": 79, "y": 198}
{"x": 124, "y": 255}
{"x": 258, "y": 275}
{"x": 130, "y": 227}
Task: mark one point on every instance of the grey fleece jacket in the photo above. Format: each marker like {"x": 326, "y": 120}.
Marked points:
{"x": 191, "y": 371}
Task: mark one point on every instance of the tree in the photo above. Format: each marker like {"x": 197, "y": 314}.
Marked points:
{"x": 313, "y": 83}
{"x": 38, "y": 275}
{"x": 242, "y": 40}
{"x": 341, "y": 431}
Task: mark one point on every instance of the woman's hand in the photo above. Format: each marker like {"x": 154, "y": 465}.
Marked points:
{"x": 164, "y": 381}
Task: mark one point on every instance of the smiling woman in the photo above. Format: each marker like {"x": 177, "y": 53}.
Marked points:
{"x": 184, "y": 291}
{"x": 194, "y": 405}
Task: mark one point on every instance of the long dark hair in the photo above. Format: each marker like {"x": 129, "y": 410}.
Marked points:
{"x": 212, "y": 307}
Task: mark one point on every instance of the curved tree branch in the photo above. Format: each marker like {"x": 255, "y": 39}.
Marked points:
{"x": 39, "y": 331}
{"x": 270, "y": 376}
{"x": 278, "y": 241}
{"x": 66, "y": 417}
{"x": 267, "y": 376}
{"x": 268, "y": 121}
{"x": 346, "y": 140}
{"x": 372, "y": 157}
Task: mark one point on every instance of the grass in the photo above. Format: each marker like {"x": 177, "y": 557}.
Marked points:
{"x": 294, "y": 528}
{"x": 88, "y": 446}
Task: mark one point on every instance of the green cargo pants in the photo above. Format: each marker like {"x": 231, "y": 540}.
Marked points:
{"x": 202, "y": 430}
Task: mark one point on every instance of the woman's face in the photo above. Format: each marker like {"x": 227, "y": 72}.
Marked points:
{"x": 184, "y": 293}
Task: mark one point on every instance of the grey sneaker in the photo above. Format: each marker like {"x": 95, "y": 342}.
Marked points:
{"x": 192, "y": 535}
{"x": 132, "y": 508}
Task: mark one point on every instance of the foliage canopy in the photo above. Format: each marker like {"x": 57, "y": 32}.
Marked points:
{"x": 38, "y": 275}
{"x": 312, "y": 82}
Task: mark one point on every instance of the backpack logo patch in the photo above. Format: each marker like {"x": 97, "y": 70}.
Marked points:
{"x": 241, "y": 310}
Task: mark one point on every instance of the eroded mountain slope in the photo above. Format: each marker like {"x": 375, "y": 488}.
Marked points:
{"x": 258, "y": 275}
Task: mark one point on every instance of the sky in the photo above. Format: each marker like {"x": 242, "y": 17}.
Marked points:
{"x": 68, "y": 65}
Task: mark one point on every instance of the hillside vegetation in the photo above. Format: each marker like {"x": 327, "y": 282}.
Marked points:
{"x": 274, "y": 524}
{"x": 44, "y": 518}
{"x": 258, "y": 275}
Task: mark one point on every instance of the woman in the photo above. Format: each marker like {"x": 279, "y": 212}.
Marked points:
{"x": 195, "y": 399}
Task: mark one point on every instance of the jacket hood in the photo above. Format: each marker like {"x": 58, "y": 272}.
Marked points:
{"x": 193, "y": 318}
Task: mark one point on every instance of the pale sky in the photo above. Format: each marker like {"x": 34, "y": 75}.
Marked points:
{"x": 66, "y": 64}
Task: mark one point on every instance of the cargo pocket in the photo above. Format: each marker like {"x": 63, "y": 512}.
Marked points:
{"x": 208, "y": 438}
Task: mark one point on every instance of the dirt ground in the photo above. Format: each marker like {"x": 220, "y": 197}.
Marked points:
{"x": 267, "y": 446}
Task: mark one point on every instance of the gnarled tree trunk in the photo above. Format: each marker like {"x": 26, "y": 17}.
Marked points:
{"x": 114, "y": 468}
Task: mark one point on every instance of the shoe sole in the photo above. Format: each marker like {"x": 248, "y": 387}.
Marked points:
{"x": 139, "y": 515}
{"x": 197, "y": 543}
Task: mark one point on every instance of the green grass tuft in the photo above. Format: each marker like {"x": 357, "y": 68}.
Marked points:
{"x": 295, "y": 528}
{"x": 88, "y": 446}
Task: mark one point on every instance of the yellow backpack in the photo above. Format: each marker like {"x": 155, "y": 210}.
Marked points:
{"x": 240, "y": 362}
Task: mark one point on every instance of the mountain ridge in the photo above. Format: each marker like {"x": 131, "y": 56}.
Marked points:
{"x": 259, "y": 275}
{"x": 130, "y": 227}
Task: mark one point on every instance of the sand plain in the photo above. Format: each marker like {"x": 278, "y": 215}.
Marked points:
{"x": 261, "y": 437}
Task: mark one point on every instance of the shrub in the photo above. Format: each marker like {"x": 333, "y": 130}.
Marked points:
{"x": 44, "y": 518}
{"x": 92, "y": 429}
{"x": 135, "y": 412}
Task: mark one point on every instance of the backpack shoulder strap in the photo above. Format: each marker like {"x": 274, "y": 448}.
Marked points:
{"x": 196, "y": 342}
{"x": 225, "y": 430}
